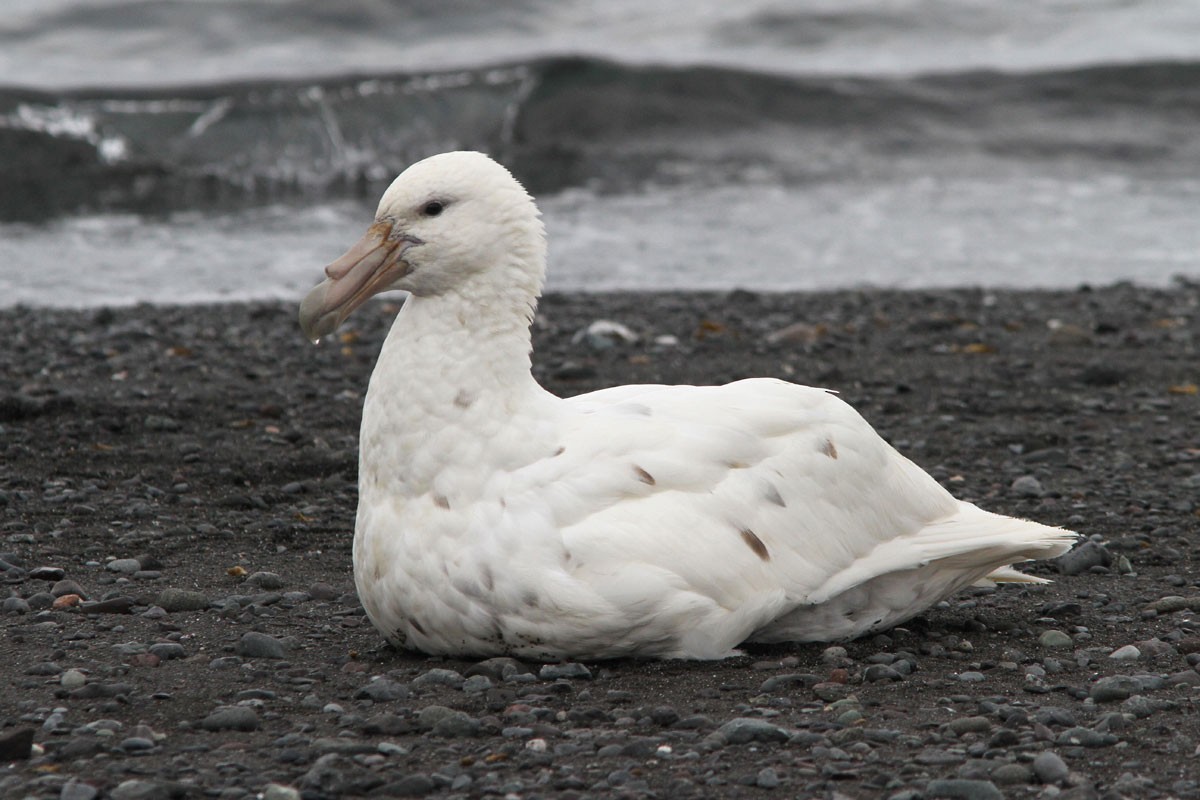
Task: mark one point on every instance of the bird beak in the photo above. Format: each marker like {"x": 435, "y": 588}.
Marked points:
{"x": 371, "y": 266}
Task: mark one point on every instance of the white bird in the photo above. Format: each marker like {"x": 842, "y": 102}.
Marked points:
{"x": 495, "y": 518}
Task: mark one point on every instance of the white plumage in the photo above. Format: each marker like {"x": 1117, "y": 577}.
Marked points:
{"x": 664, "y": 521}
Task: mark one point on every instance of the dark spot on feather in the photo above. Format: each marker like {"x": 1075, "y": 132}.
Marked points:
{"x": 441, "y": 501}
{"x": 773, "y": 496}
{"x": 643, "y": 476}
{"x": 417, "y": 626}
{"x": 463, "y": 399}
{"x": 530, "y": 599}
{"x": 736, "y": 464}
{"x": 559, "y": 452}
{"x": 488, "y": 580}
{"x": 754, "y": 543}
{"x": 828, "y": 449}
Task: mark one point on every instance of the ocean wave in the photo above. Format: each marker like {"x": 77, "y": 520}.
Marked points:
{"x": 568, "y": 122}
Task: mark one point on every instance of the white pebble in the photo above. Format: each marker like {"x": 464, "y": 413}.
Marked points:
{"x": 536, "y": 745}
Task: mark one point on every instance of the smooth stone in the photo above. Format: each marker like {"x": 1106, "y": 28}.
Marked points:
{"x": 571, "y": 669}
{"x": 173, "y": 600}
{"x": 963, "y": 789}
{"x": 1050, "y": 768}
{"x": 78, "y": 790}
{"x": 1011, "y": 774}
{"x": 439, "y": 677}
{"x": 456, "y": 724}
{"x": 1114, "y": 689}
{"x": 1027, "y": 486}
{"x": 969, "y": 725}
{"x": 231, "y": 718}
{"x": 382, "y": 690}
{"x": 47, "y": 574}
{"x": 67, "y": 586}
{"x": 1086, "y": 737}
{"x": 278, "y": 791}
{"x": 1126, "y": 653}
{"x": 1055, "y": 639}
{"x": 881, "y": 672}
{"x": 136, "y": 789}
{"x": 1083, "y": 557}
{"x": 267, "y": 581}
{"x": 15, "y": 605}
{"x": 254, "y": 644}
{"x": 748, "y": 729}
{"x": 168, "y": 651}
{"x": 72, "y": 679}
{"x": 123, "y": 566}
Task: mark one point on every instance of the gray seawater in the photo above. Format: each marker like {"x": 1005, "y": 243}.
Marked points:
{"x": 197, "y": 150}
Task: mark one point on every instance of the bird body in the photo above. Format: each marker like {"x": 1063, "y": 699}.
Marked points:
{"x": 657, "y": 521}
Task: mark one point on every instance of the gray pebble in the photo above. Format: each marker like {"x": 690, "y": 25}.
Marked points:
{"x": 1126, "y": 653}
{"x": 415, "y": 785}
{"x": 231, "y": 718}
{"x": 1049, "y": 768}
{"x": 139, "y": 790}
{"x": 748, "y": 729}
{"x": 476, "y": 684}
{"x": 767, "y": 778}
{"x": 1114, "y": 688}
{"x": 962, "y": 789}
{"x": 267, "y": 581}
{"x": 1086, "y": 737}
{"x": 77, "y": 790}
{"x": 382, "y": 690}
{"x": 168, "y": 651}
{"x": 439, "y": 677}
{"x": 1083, "y": 557}
{"x": 1011, "y": 775}
{"x": 1055, "y": 639}
{"x": 72, "y": 679}
{"x": 278, "y": 791}
{"x": 881, "y": 672}
{"x": 551, "y": 672}
{"x": 969, "y": 725}
{"x": 429, "y": 716}
{"x": 123, "y": 566}
{"x": 254, "y": 644}
{"x": 16, "y": 605}
{"x": 173, "y": 600}
{"x": 971, "y": 676}
{"x": 66, "y": 587}
{"x": 456, "y": 724}
{"x": 1027, "y": 486}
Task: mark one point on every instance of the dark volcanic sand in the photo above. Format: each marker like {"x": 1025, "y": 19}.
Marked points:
{"x": 196, "y": 440}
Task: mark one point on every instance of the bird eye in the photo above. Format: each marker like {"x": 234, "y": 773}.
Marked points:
{"x": 432, "y": 208}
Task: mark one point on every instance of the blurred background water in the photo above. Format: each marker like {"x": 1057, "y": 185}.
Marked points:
{"x": 196, "y": 150}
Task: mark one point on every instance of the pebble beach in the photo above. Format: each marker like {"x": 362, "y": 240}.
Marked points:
{"x": 178, "y": 616}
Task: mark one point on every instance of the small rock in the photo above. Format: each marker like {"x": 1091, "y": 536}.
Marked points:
{"x": 260, "y": 645}
{"x": 1126, "y": 653}
{"x": 1049, "y": 768}
{"x": 551, "y": 672}
{"x": 123, "y": 566}
{"x": 72, "y": 679}
{"x": 1027, "y": 486}
{"x": 15, "y": 605}
{"x": 456, "y": 724}
{"x": 1055, "y": 639}
{"x": 767, "y": 779}
{"x": 267, "y": 581}
{"x": 136, "y": 789}
{"x": 173, "y": 600}
{"x": 439, "y": 677}
{"x": 68, "y": 586}
{"x": 231, "y": 718}
{"x": 1085, "y": 737}
{"x": 962, "y": 789}
{"x": 1083, "y": 557}
{"x": 969, "y": 725}
{"x": 748, "y": 729}
{"x": 1011, "y": 775}
{"x": 278, "y": 791}
{"x": 166, "y": 651}
{"x": 78, "y": 790}
{"x": 416, "y": 785}
{"x": 47, "y": 573}
{"x": 881, "y": 672}
{"x": 1114, "y": 689}
{"x": 382, "y": 690}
